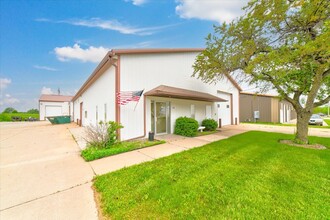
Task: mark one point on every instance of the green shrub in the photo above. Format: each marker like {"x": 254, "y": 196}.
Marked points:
{"x": 210, "y": 124}
{"x": 186, "y": 127}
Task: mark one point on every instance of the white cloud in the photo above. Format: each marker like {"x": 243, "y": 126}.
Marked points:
{"x": 214, "y": 10}
{"x": 45, "y": 68}
{"x": 4, "y": 82}
{"x": 137, "y": 2}
{"x": 46, "y": 91}
{"x": 113, "y": 25}
{"x": 9, "y": 100}
{"x": 90, "y": 54}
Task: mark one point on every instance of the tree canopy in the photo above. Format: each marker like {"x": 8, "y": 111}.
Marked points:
{"x": 33, "y": 111}
{"x": 284, "y": 44}
{"x": 9, "y": 110}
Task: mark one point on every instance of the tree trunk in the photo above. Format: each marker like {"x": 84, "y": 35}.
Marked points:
{"x": 302, "y": 127}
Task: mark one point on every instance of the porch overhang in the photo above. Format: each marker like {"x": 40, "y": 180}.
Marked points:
{"x": 178, "y": 93}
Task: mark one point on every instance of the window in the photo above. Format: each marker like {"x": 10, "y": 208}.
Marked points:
{"x": 85, "y": 114}
{"x": 192, "y": 111}
{"x": 97, "y": 114}
{"x": 105, "y": 112}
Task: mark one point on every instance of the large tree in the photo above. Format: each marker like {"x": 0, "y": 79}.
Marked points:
{"x": 282, "y": 43}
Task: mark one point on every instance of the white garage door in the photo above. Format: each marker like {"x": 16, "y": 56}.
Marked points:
{"x": 224, "y": 109}
{"x": 53, "y": 111}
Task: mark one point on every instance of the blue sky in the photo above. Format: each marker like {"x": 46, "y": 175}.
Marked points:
{"x": 46, "y": 45}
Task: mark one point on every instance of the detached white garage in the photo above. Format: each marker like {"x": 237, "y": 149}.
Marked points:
{"x": 55, "y": 105}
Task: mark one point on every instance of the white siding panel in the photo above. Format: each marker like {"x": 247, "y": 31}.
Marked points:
{"x": 101, "y": 92}
{"x": 147, "y": 71}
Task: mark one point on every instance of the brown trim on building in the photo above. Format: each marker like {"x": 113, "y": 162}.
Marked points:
{"x": 257, "y": 94}
{"x": 109, "y": 60}
{"x": 156, "y": 50}
{"x": 99, "y": 70}
{"x": 55, "y": 98}
{"x": 117, "y": 90}
{"x": 81, "y": 113}
{"x": 238, "y": 107}
{"x": 234, "y": 82}
{"x": 231, "y": 109}
{"x": 179, "y": 93}
{"x": 145, "y": 115}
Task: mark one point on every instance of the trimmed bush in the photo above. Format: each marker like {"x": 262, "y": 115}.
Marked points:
{"x": 186, "y": 127}
{"x": 210, "y": 124}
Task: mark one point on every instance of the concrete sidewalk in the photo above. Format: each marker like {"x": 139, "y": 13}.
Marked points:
{"x": 174, "y": 144}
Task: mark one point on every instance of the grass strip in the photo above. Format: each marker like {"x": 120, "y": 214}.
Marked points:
{"x": 248, "y": 176}
{"x": 93, "y": 153}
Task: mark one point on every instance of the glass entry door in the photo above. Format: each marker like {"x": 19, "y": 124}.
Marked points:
{"x": 160, "y": 117}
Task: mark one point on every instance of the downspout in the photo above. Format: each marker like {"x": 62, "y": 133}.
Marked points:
{"x": 117, "y": 90}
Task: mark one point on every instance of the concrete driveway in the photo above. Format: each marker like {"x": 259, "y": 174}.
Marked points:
{"x": 320, "y": 132}
{"x": 42, "y": 175}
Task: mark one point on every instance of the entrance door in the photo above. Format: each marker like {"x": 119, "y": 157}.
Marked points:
{"x": 81, "y": 111}
{"x": 225, "y": 109}
{"x": 160, "y": 117}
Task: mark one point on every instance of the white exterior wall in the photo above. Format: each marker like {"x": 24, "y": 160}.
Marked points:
{"x": 101, "y": 92}
{"x": 66, "y": 108}
{"x": 147, "y": 71}
{"x": 180, "y": 108}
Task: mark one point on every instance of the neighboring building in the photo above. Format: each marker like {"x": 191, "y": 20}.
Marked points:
{"x": 265, "y": 108}
{"x": 55, "y": 105}
{"x": 170, "y": 91}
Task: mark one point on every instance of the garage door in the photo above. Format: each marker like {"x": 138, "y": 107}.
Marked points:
{"x": 224, "y": 109}
{"x": 53, "y": 111}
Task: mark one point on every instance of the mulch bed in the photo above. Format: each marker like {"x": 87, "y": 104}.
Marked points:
{"x": 310, "y": 146}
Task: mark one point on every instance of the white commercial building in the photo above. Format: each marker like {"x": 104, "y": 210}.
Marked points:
{"x": 55, "y": 105}
{"x": 169, "y": 92}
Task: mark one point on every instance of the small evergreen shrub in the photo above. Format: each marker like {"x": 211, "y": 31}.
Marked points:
{"x": 210, "y": 124}
{"x": 186, "y": 127}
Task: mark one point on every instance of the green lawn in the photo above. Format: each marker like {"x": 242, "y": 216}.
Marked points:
{"x": 248, "y": 176}
{"x": 290, "y": 125}
{"x": 327, "y": 121}
{"x": 7, "y": 116}
{"x": 206, "y": 133}
{"x": 93, "y": 153}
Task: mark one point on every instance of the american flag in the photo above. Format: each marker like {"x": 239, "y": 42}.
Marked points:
{"x": 125, "y": 97}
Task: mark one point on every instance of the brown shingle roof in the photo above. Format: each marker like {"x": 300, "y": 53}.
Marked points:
{"x": 55, "y": 98}
{"x": 173, "y": 92}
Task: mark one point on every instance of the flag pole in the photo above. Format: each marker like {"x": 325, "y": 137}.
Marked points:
{"x": 139, "y": 100}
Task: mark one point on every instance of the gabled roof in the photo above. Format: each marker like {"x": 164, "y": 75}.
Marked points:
{"x": 55, "y": 98}
{"x": 173, "y": 92}
{"x": 111, "y": 58}
{"x": 156, "y": 50}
